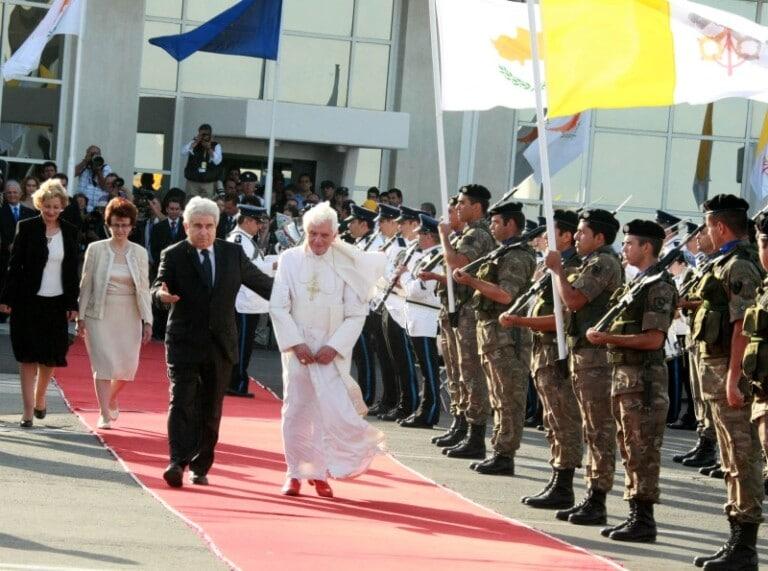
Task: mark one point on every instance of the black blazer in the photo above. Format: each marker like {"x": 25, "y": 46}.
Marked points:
{"x": 224, "y": 227}
{"x": 29, "y": 254}
{"x": 8, "y": 226}
{"x": 161, "y": 238}
{"x": 202, "y": 315}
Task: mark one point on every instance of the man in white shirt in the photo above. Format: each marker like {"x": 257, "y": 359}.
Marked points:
{"x": 203, "y": 161}
{"x": 92, "y": 171}
{"x": 318, "y": 306}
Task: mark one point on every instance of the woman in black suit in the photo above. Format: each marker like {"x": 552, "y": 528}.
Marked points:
{"x": 40, "y": 293}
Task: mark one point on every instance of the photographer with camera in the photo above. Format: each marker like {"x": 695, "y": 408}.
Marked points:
{"x": 203, "y": 163}
{"x": 92, "y": 171}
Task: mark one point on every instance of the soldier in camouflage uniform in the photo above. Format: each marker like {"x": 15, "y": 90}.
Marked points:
{"x": 496, "y": 285}
{"x": 635, "y": 342}
{"x": 560, "y": 407}
{"x": 727, "y": 290}
{"x": 586, "y": 295}
{"x": 476, "y": 241}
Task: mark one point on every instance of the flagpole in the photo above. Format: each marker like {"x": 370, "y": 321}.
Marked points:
{"x": 76, "y": 98}
{"x": 545, "y": 174}
{"x": 275, "y": 92}
{"x": 442, "y": 175}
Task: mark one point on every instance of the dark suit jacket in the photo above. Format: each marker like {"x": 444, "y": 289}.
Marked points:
{"x": 203, "y": 316}
{"x": 8, "y": 228}
{"x": 29, "y": 254}
{"x": 224, "y": 227}
{"x": 161, "y": 238}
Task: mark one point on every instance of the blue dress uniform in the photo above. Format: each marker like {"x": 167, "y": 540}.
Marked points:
{"x": 363, "y": 353}
{"x": 249, "y": 306}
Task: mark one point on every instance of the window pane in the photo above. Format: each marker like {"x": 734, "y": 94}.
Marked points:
{"x": 314, "y": 71}
{"x": 17, "y": 171}
{"x": 368, "y": 167}
{"x": 729, "y": 118}
{"x": 164, "y": 8}
{"x": 19, "y": 22}
{"x": 220, "y": 74}
{"x": 374, "y": 19}
{"x": 149, "y": 151}
{"x": 369, "y": 77}
{"x": 204, "y": 10}
{"x": 645, "y": 118}
{"x": 30, "y": 118}
{"x": 326, "y": 17}
{"x": 156, "y": 116}
{"x": 158, "y": 69}
{"x": 566, "y": 184}
{"x": 682, "y": 171}
{"x": 758, "y": 117}
{"x": 626, "y": 165}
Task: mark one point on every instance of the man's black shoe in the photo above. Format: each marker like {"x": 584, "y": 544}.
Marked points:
{"x": 234, "y": 393}
{"x": 705, "y": 471}
{"x": 415, "y": 422}
{"x": 393, "y": 415}
{"x": 174, "y": 475}
{"x": 683, "y": 423}
{"x": 198, "y": 479}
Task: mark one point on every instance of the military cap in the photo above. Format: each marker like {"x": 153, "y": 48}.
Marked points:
{"x": 388, "y": 212}
{"x": 666, "y": 219}
{"x": 542, "y": 220}
{"x": 566, "y": 218}
{"x": 531, "y": 225}
{"x": 248, "y": 176}
{"x": 360, "y": 213}
{"x": 252, "y": 211}
{"x": 507, "y": 207}
{"x": 476, "y": 191}
{"x": 644, "y": 229}
{"x": 690, "y": 227}
{"x": 601, "y": 218}
{"x": 407, "y": 213}
{"x": 427, "y": 224}
{"x": 725, "y": 202}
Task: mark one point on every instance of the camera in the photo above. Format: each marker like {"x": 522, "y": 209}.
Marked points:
{"x": 97, "y": 162}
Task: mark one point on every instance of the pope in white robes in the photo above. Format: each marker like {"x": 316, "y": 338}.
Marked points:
{"x": 318, "y": 306}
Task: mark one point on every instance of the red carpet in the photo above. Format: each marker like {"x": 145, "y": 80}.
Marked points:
{"x": 387, "y": 519}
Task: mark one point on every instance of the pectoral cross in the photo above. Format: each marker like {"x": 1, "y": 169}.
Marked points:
{"x": 313, "y": 288}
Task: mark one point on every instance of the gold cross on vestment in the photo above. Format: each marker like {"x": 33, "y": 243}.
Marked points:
{"x": 313, "y": 288}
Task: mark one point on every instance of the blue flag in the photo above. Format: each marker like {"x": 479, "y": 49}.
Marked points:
{"x": 249, "y": 28}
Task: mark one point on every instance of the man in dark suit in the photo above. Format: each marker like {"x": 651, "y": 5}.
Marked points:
{"x": 228, "y": 219}
{"x": 199, "y": 278}
{"x": 165, "y": 233}
{"x": 11, "y": 213}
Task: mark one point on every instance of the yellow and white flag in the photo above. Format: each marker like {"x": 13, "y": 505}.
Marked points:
{"x": 485, "y": 55}
{"x": 63, "y": 17}
{"x": 641, "y": 53}
{"x": 759, "y": 177}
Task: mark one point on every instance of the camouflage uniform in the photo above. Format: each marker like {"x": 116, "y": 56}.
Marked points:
{"x": 599, "y": 275}
{"x": 639, "y": 391}
{"x": 449, "y": 350}
{"x": 502, "y": 351}
{"x": 471, "y": 394}
{"x": 562, "y": 418}
{"x": 755, "y": 365}
{"x": 728, "y": 290}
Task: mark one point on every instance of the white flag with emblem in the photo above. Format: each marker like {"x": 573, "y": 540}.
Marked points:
{"x": 63, "y": 17}
{"x": 567, "y": 139}
{"x": 485, "y": 55}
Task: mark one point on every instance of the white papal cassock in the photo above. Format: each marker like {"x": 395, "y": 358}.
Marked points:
{"x": 322, "y": 300}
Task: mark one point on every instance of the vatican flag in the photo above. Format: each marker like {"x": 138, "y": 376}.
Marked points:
{"x": 639, "y": 53}
{"x": 485, "y": 55}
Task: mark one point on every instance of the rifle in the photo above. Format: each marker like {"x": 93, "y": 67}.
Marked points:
{"x": 437, "y": 258}
{"x": 393, "y": 282}
{"x": 652, "y": 275}
{"x": 501, "y": 250}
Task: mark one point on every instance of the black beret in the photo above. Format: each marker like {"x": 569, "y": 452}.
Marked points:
{"x": 427, "y": 224}
{"x": 248, "y": 176}
{"x": 531, "y": 225}
{"x": 723, "y": 202}
{"x": 476, "y": 191}
{"x": 666, "y": 219}
{"x": 387, "y": 211}
{"x": 454, "y": 200}
{"x": 505, "y": 208}
{"x": 601, "y": 218}
{"x": 644, "y": 229}
{"x": 407, "y": 213}
{"x": 360, "y": 213}
{"x": 762, "y": 224}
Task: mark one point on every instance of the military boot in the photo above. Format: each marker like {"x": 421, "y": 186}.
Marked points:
{"x": 742, "y": 554}
{"x": 498, "y": 465}
{"x": 702, "y": 559}
{"x": 592, "y": 512}
{"x": 639, "y": 529}
{"x": 705, "y": 456}
{"x": 718, "y": 473}
{"x": 707, "y": 469}
{"x": 678, "y": 458}
{"x": 560, "y": 494}
{"x": 473, "y": 446}
{"x": 455, "y": 433}
{"x": 607, "y": 531}
{"x": 549, "y": 484}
